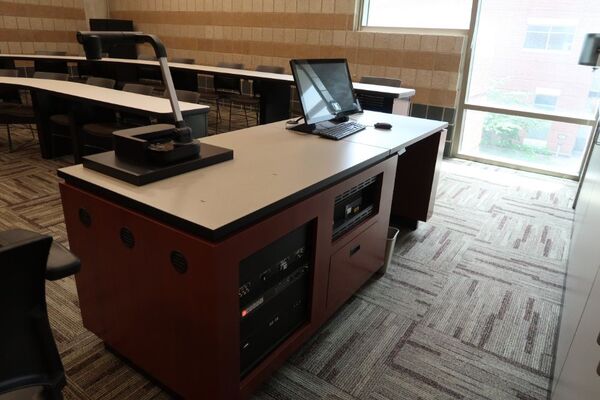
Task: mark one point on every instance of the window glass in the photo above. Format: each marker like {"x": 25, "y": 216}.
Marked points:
{"x": 431, "y": 14}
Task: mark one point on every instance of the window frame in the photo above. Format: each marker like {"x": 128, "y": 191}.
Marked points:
{"x": 548, "y": 36}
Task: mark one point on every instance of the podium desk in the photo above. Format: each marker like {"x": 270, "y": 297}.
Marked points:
{"x": 162, "y": 262}
{"x": 274, "y": 89}
{"x": 45, "y": 92}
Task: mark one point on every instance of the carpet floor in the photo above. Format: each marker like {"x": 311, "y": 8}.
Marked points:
{"x": 468, "y": 309}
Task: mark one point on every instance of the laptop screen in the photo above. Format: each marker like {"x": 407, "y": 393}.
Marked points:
{"x": 324, "y": 88}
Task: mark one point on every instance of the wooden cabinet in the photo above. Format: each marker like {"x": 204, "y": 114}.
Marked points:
{"x": 169, "y": 301}
{"x": 352, "y": 265}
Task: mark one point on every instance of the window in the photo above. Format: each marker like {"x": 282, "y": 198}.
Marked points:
{"x": 429, "y": 14}
{"x": 546, "y": 99}
{"x": 549, "y": 37}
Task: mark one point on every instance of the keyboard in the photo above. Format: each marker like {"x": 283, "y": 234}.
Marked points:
{"x": 340, "y": 131}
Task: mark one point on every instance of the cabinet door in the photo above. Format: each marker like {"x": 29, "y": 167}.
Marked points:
{"x": 580, "y": 377}
{"x": 352, "y": 265}
{"x": 583, "y": 259}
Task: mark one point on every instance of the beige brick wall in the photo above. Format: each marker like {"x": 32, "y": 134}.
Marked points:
{"x": 271, "y": 32}
{"x": 30, "y": 25}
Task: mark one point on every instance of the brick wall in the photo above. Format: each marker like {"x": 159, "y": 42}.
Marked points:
{"x": 271, "y": 32}
{"x": 50, "y": 25}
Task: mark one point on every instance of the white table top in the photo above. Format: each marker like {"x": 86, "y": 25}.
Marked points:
{"x": 248, "y": 74}
{"x": 270, "y": 165}
{"x": 119, "y": 98}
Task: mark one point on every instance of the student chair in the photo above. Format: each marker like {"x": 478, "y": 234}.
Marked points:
{"x": 376, "y": 102}
{"x": 251, "y": 102}
{"x": 51, "y": 65}
{"x": 98, "y": 135}
{"x": 61, "y": 123}
{"x": 19, "y": 113}
{"x": 28, "y": 354}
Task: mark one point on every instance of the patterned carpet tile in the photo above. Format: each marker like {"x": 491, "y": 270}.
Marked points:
{"x": 536, "y": 275}
{"x": 432, "y": 365}
{"x": 547, "y": 238}
{"x": 289, "y": 382}
{"x": 437, "y": 245}
{"x": 344, "y": 353}
{"x": 42, "y": 212}
{"x": 407, "y": 289}
{"x": 498, "y": 318}
{"x": 467, "y": 310}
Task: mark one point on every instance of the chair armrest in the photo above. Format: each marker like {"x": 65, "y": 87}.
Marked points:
{"x": 61, "y": 263}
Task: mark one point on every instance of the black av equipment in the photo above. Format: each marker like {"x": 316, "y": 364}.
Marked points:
{"x": 273, "y": 295}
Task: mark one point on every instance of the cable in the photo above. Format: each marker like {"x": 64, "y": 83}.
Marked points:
{"x": 295, "y": 121}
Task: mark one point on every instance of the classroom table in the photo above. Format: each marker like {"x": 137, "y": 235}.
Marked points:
{"x": 274, "y": 89}
{"x": 45, "y": 92}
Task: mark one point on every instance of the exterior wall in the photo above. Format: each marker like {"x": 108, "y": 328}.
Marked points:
{"x": 505, "y": 66}
{"x": 29, "y": 26}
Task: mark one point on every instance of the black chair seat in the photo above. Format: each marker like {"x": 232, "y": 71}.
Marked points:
{"x": 16, "y": 113}
{"x": 104, "y": 129}
{"x": 206, "y": 95}
{"x": 61, "y": 263}
{"x": 60, "y": 119}
{"x": 244, "y": 100}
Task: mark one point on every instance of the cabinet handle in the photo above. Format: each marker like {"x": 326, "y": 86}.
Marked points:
{"x": 354, "y": 250}
{"x": 598, "y": 369}
{"x": 598, "y": 339}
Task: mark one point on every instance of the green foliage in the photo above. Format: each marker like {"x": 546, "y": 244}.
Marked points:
{"x": 505, "y": 132}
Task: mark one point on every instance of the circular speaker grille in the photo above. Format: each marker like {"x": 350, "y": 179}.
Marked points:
{"x": 85, "y": 217}
{"x": 179, "y": 262}
{"x": 127, "y": 238}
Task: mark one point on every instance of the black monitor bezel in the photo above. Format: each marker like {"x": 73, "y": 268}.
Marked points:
{"x": 293, "y": 63}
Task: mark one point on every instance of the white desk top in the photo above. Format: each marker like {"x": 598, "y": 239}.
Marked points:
{"x": 248, "y": 74}
{"x": 270, "y": 166}
{"x": 119, "y": 98}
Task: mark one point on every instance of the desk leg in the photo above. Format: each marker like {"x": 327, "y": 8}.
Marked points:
{"x": 75, "y": 135}
{"x": 417, "y": 176}
{"x": 41, "y": 103}
{"x": 274, "y": 101}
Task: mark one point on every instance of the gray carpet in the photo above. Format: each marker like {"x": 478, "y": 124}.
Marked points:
{"x": 468, "y": 310}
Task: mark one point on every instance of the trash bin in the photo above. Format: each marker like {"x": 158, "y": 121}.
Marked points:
{"x": 389, "y": 248}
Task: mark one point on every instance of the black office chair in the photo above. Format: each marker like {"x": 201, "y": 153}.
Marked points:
{"x": 184, "y": 79}
{"x": 185, "y": 95}
{"x": 10, "y": 95}
{"x": 19, "y": 113}
{"x": 61, "y": 123}
{"x": 98, "y": 135}
{"x": 57, "y": 76}
{"x": 182, "y": 60}
{"x": 374, "y": 102}
{"x": 51, "y": 65}
{"x": 251, "y": 102}
{"x": 150, "y": 75}
{"x": 226, "y": 86}
{"x": 28, "y": 353}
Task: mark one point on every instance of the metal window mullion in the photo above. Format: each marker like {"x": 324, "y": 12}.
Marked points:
{"x": 530, "y": 114}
